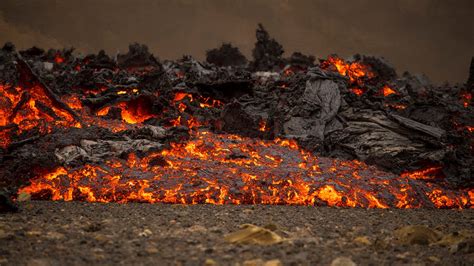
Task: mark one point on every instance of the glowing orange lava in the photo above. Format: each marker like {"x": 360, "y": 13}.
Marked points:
{"x": 386, "y": 91}
{"x": 355, "y": 71}
{"x": 204, "y": 170}
{"x": 426, "y": 173}
{"x": 203, "y": 102}
{"x": 28, "y": 109}
{"x": 209, "y": 168}
{"x": 357, "y": 91}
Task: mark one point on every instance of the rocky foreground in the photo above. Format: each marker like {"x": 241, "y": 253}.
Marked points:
{"x": 72, "y": 233}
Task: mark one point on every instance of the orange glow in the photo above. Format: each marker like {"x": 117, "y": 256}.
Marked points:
{"x": 288, "y": 72}
{"x": 355, "y": 71}
{"x": 33, "y": 109}
{"x": 203, "y": 102}
{"x": 396, "y": 106}
{"x": 176, "y": 122}
{"x": 73, "y": 101}
{"x": 103, "y": 111}
{"x": 182, "y": 107}
{"x": 426, "y": 173}
{"x": 205, "y": 168}
{"x": 262, "y": 126}
{"x": 201, "y": 170}
{"x": 134, "y": 113}
{"x": 58, "y": 59}
{"x": 181, "y": 95}
{"x": 466, "y": 98}
{"x": 386, "y": 91}
{"x": 357, "y": 91}
{"x": 193, "y": 123}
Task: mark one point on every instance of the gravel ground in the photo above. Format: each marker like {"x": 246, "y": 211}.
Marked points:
{"x": 75, "y": 233}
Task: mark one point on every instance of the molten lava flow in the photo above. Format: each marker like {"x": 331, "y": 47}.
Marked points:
{"x": 426, "y": 173}
{"x": 132, "y": 112}
{"x": 73, "y": 101}
{"x": 135, "y": 113}
{"x": 209, "y": 168}
{"x": 355, "y": 71}
{"x": 228, "y": 169}
{"x": 26, "y": 109}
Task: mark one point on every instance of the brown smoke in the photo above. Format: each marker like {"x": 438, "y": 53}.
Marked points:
{"x": 435, "y": 37}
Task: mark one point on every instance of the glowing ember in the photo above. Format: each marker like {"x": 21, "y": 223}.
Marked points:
{"x": 357, "y": 91}
{"x": 288, "y": 72}
{"x": 132, "y": 112}
{"x": 203, "y": 170}
{"x": 396, "y": 106}
{"x": 135, "y": 113}
{"x": 262, "y": 126}
{"x": 466, "y": 98}
{"x": 427, "y": 173}
{"x": 104, "y": 111}
{"x": 386, "y": 91}
{"x": 203, "y": 102}
{"x": 58, "y": 59}
{"x": 176, "y": 122}
{"x": 181, "y": 95}
{"x": 356, "y": 71}
{"x": 73, "y": 101}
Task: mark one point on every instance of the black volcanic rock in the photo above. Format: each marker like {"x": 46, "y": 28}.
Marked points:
{"x": 137, "y": 56}
{"x": 226, "y": 55}
{"x": 267, "y": 54}
{"x": 300, "y": 60}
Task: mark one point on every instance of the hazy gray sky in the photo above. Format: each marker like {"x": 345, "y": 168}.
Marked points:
{"x": 435, "y": 37}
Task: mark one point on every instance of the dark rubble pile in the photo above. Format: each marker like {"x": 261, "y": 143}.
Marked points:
{"x": 418, "y": 126}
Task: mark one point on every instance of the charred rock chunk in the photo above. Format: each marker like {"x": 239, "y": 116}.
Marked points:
{"x": 318, "y": 106}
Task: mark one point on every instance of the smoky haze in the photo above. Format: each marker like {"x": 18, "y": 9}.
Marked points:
{"x": 435, "y": 37}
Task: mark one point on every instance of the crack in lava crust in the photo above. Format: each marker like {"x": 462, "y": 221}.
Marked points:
{"x": 229, "y": 169}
